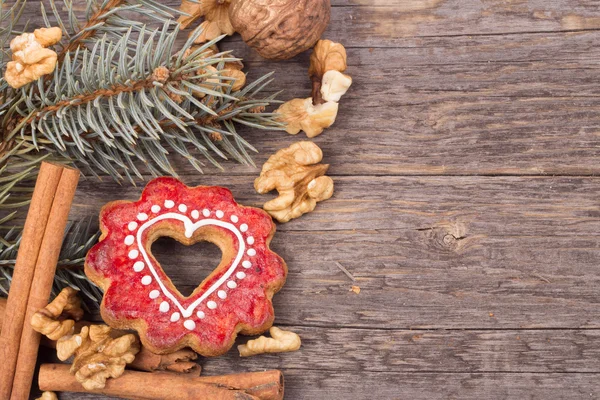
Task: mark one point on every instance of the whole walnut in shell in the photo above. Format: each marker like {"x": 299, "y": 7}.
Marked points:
{"x": 280, "y": 29}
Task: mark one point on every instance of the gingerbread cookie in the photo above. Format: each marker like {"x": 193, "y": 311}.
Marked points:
{"x": 235, "y": 297}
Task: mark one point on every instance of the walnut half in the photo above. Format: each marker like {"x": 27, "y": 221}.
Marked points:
{"x": 329, "y": 84}
{"x": 58, "y": 318}
{"x": 30, "y": 57}
{"x": 98, "y": 356}
{"x": 280, "y": 341}
{"x": 296, "y": 174}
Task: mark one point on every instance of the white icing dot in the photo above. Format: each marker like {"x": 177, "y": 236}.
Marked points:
{"x": 142, "y": 216}
{"x": 169, "y": 203}
{"x": 205, "y": 212}
{"x": 231, "y": 285}
{"x": 132, "y": 225}
{"x": 154, "y": 294}
{"x": 243, "y": 227}
{"x": 246, "y": 264}
{"x": 222, "y": 294}
{"x": 182, "y": 208}
{"x": 164, "y": 306}
{"x": 195, "y": 214}
{"x": 189, "y": 324}
{"x": 240, "y": 275}
{"x": 220, "y": 214}
{"x": 250, "y": 240}
{"x": 129, "y": 239}
{"x": 138, "y": 266}
{"x": 200, "y": 314}
{"x": 175, "y": 317}
{"x": 251, "y": 252}
{"x": 234, "y": 219}
{"x": 155, "y": 208}
{"x": 133, "y": 254}
{"x": 211, "y": 304}
{"x": 146, "y": 280}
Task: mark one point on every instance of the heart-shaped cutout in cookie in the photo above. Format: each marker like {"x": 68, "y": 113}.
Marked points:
{"x": 139, "y": 294}
{"x": 187, "y": 265}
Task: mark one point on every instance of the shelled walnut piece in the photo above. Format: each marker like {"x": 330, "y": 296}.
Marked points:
{"x": 329, "y": 84}
{"x": 280, "y": 341}
{"x": 99, "y": 351}
{"x": 31, "y": 59}
{"x": 296, "y": 174}
{"x": 327, "y": 62}
{"x": 216, "y": 18}
{"x": 231, "y": 69}
{"x": 58, "y": 318}
{"x": 48, "y": 396}
{"x": 98, "y": 356}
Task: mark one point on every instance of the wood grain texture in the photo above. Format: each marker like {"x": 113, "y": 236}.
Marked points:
{"x": 465, "y": 160}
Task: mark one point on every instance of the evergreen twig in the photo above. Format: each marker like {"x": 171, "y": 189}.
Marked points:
{"x": 121, "y": 97}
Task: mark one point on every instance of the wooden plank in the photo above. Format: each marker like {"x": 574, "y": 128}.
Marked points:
{"x": 548, "y": 206}
{"x": 423, "y": 280}
{"x": 434, "y": 252}
{"x": 314, "y": 384}
{"x": 386, "y": 22}
{"x": 484, "y": 105}
{"x": 368, "y": 350}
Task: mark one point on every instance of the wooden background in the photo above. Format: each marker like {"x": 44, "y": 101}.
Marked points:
{"x": 465, "y": 159}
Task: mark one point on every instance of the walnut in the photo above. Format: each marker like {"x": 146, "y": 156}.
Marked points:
{"x": 52, "y": 321}
{"x": 233, "y": 70}
{"x": 280, "y": 29}
{"x": 98, "y": 356}
{"x": 48, "y": 396}
{"x": 31, "y": 59}
{"x": 334, "y": 85}
{"x": 216, "y": 18}
{"x": 280, "y": 341}
{"x": 302, "y": 114}
{"x": 295, "y": 173}
{"x": 327, "y": 62}
{"x": 327, "y": 56}
{"x": 210, "y": 82}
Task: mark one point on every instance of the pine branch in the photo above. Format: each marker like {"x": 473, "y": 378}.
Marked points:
{"x": 119, "y": 98}
{"x": 109, "y": 108}
{"x": 79, "y": 238}
{"x": 110, "y": 17}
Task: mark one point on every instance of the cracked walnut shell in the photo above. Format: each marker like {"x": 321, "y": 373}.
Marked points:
{"x": 280, "y": 29}
{"x": 296, "y": 174}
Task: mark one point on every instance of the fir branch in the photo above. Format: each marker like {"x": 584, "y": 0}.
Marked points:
{"x": 109, "y": 108}
{"x": 88, "y": 30}
{"x": 79, "y": 238}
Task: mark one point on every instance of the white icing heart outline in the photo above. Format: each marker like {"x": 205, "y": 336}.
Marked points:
{"x": 190, "y": 228}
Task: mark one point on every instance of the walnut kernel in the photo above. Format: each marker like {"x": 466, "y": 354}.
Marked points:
{"x": 296, "y": 174}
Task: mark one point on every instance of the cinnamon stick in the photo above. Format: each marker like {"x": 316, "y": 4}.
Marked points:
{"x": 29, "y": 248}
{"x": 266, "y": 385}
{"x": 141, "y": 385}
{"x": 43, "y": 278}
{"x": 2, "y": 310}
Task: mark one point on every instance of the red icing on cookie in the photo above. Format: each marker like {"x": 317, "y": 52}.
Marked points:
{"x": 236, "y": 297}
